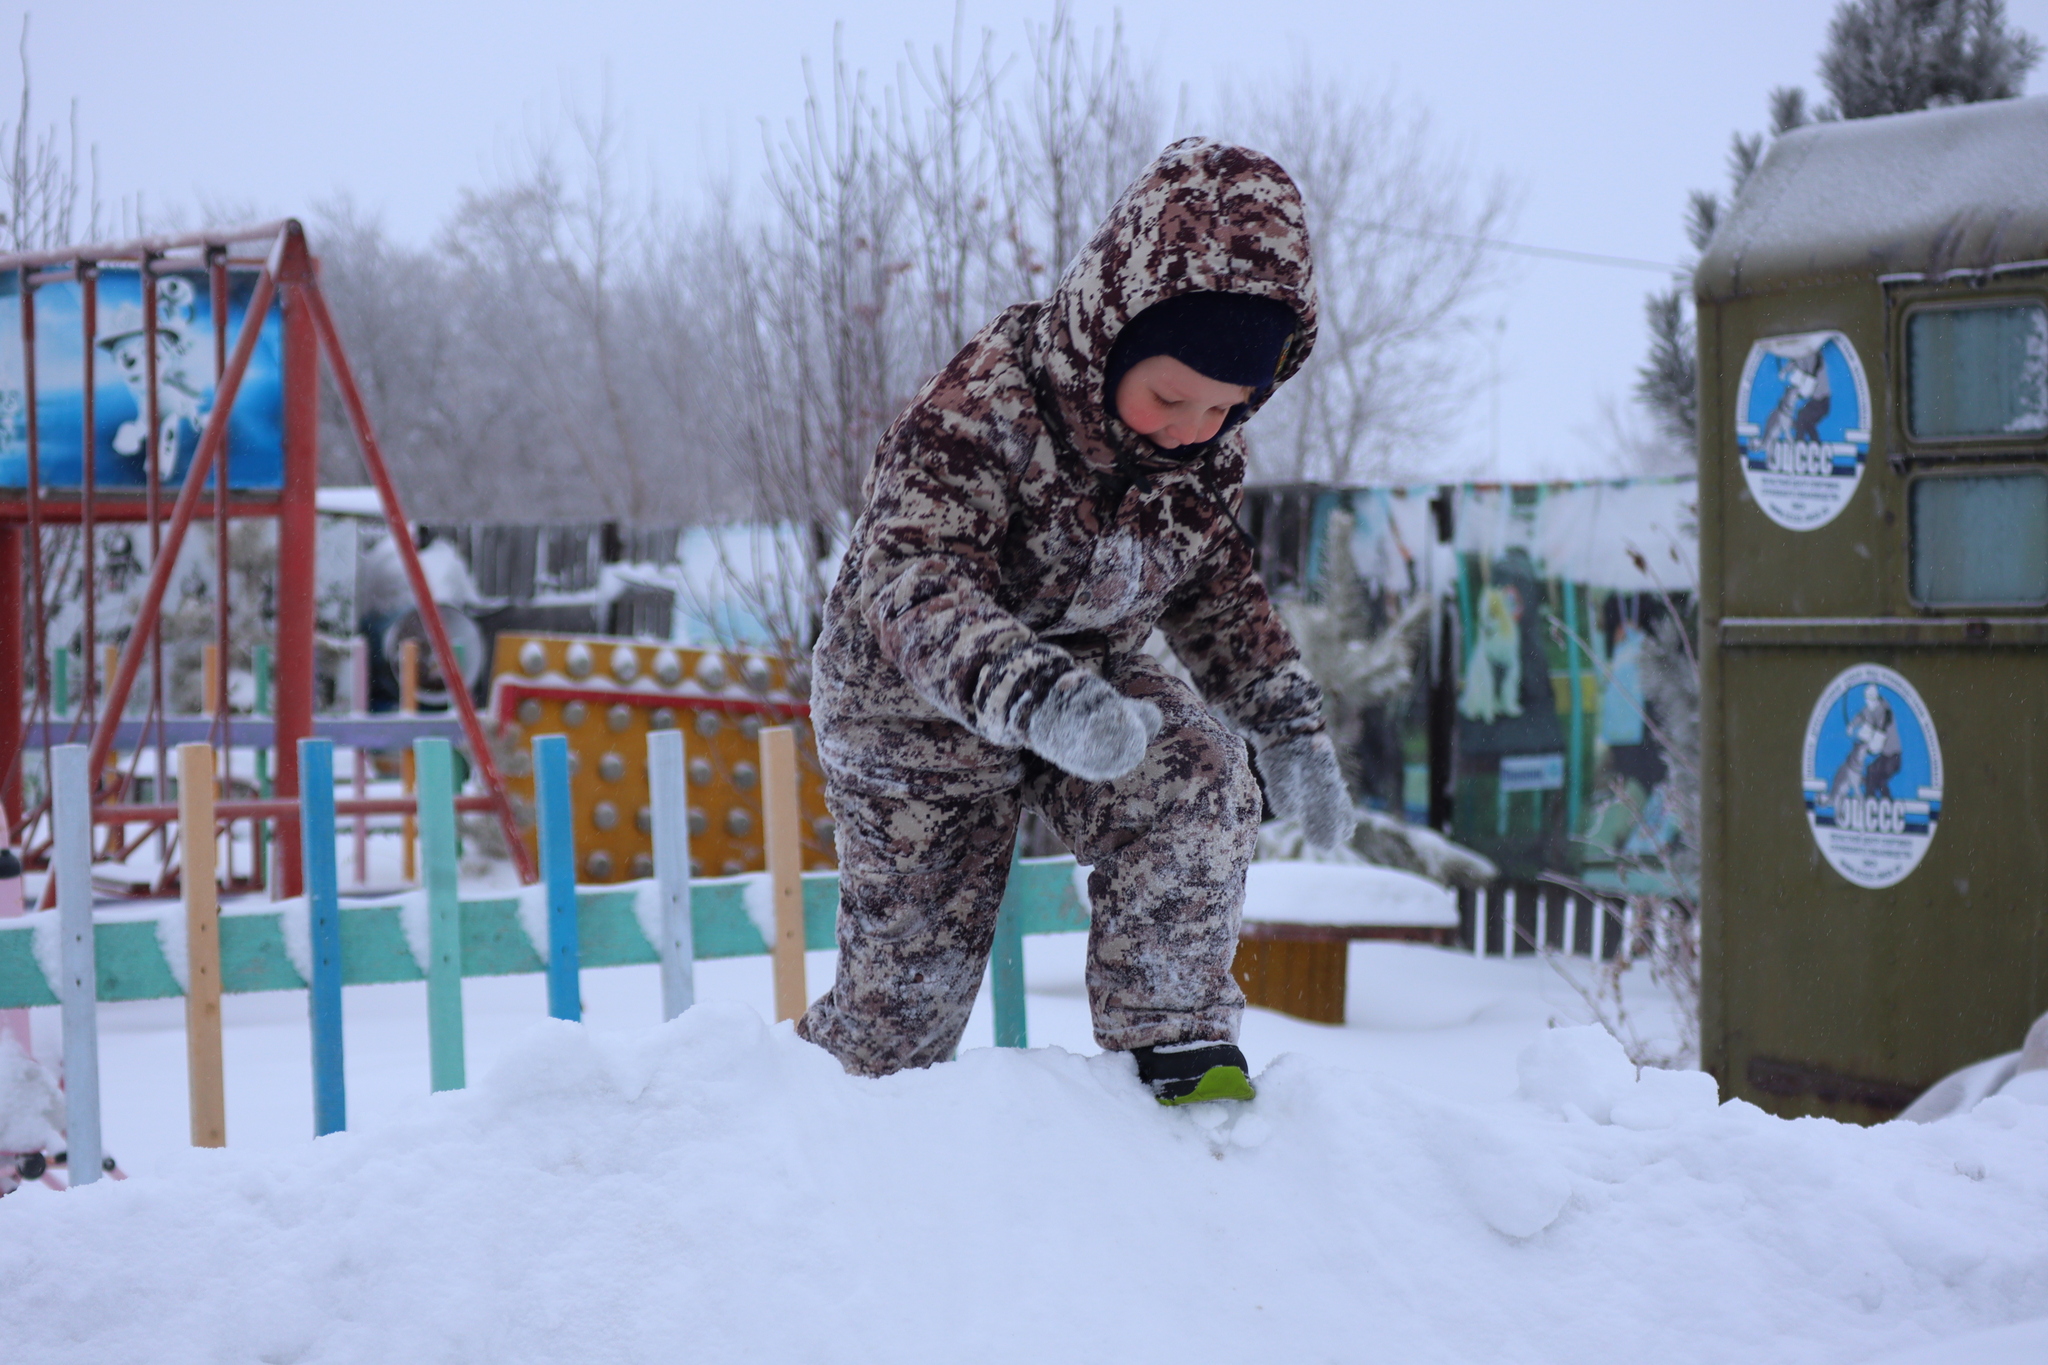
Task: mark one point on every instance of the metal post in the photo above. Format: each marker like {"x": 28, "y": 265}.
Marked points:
{"x": 670, "y": 798}
{"x": 359, "y": 684}
{"x": 78, "y": 992}
{"x": 438, "y": 855}
{"x": 323, "y": 914}
{"x": 196, "y": 830}
{"x": 298, "y": 527}
{"x": 259, "y": 830}
{"x": 160, "y": 554}
{"x": 12, "y": 737}
{"x": 88, "y": 421}
{"x": 558, "y": 873}
{"x": 223, "y": 645}
{"x": 1006, "y": 963}
{"x": 39, "y": 627}
{"x": 408, "y": 766}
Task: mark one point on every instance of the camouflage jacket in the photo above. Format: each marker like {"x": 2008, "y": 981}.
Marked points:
{"x": 999, "y": 536}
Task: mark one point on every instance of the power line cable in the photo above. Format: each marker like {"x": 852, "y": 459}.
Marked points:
{"x": 1522, "y": 248}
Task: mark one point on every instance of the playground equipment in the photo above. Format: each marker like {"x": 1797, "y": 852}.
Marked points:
{"x": 1873, "y": 341}
{"x": 605, "y": 695}
{"x": 157, "y": 315}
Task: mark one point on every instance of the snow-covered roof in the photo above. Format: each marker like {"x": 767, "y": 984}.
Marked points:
{"x": 1925, "y": 193}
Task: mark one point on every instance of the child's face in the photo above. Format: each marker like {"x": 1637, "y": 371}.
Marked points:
{"x": 1171, "y": 404}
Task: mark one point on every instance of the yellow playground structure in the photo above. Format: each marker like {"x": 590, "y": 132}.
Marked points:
{"x": 606, "y": 694}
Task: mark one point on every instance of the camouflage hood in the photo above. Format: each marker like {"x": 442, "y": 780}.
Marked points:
{"x": 1204, "y": 217}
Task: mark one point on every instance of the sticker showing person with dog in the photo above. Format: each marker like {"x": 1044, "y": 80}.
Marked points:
{"x": 1871, "y": 770}
{"x": 1802, "y": 423}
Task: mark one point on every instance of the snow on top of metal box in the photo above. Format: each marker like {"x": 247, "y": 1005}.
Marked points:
{"x": 1963, "y": 189}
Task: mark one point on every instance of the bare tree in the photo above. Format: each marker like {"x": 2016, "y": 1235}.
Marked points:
{"x": 43, "y": 173}
{"x": 1087, "y": 125}
{"x": 1401, "y": 266}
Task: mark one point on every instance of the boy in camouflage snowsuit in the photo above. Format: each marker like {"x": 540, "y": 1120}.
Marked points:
{"x": 982, "y": 647}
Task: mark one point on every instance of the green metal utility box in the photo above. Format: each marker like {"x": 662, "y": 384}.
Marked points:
{"x": 1873, "y": 358}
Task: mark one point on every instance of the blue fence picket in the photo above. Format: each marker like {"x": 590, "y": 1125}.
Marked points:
{"x": 323, "y": 913}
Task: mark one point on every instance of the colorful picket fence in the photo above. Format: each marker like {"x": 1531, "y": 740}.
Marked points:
{"x": 318, "y": 944}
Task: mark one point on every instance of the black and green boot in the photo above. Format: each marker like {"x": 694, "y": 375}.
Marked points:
{"x": 1189, "y": 1073}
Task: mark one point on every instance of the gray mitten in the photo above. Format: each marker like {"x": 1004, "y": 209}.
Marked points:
{"x": 1304, "y": 784}
{"x": 1088, "y": 728}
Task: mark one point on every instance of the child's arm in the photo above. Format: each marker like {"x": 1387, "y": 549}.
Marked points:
{"x": 937, "y": 511}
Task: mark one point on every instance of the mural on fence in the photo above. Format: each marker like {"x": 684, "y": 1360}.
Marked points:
{"x": 1560, "y": 600}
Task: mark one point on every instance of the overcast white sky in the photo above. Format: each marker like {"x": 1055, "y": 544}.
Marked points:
{"x": 1604, "y": 112}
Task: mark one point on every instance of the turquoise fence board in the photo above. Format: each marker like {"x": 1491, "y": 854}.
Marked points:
{"x": 374, "y": 949}
{"x": 494, "y": 942}
{"x": 131, "y": 965}
{"x": 821, "y": 912}
{"x": 608, "y": 932}
{"x": 252, "y": 955}
{"x": 1046, "y": 898}
{"x": 21, "y": 980}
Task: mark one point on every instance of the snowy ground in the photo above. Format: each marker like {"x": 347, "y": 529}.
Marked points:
{"x": 712, "y": 1189}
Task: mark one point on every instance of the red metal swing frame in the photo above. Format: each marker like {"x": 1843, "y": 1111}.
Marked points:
{"x": 288, "y": 274}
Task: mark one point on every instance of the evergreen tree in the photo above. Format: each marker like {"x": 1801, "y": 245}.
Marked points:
{"x": 1894, "y": 56}
{"x": 1882, "y": 57}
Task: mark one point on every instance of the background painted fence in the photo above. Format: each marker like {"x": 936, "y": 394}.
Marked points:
{"x": 494, "y": 941}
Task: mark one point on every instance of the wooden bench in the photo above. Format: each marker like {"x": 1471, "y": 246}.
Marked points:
{"x": 1300, "y": 969}
{"x": 1298, "y": 965}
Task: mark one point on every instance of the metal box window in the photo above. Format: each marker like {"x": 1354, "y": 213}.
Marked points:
{"x": 1981, "y": 540}
{"x": 1977, "y": 372}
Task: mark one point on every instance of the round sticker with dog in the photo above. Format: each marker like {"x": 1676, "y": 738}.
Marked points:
{"x": 1871, "y": 769}
{"x": 1802, "y": 423}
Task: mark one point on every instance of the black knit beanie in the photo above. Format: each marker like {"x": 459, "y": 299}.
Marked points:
{"x": 1231, "y": 338}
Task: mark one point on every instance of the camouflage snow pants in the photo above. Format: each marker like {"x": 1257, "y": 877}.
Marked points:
{"x": 924, "y": 856}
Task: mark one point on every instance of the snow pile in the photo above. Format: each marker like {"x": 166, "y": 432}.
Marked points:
{"x": 2023, "y": 1074}
{"x": 31, "y": 1106}
{"x": 713, "y": 1189}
